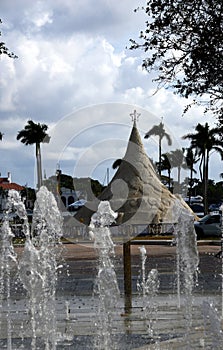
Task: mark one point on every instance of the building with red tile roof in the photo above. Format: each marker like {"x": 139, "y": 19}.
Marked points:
{"x": 11, "y": 186}
{"x": 6, "y": 184}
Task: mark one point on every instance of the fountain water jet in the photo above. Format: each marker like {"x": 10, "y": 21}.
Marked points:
{"x": 38, "y": 267}
{"x": 212, "y": 326}
{"x": 8, "y": 257}
{"x": 106, "y": 285}
{"x": 149, "y": 287}
{"x": 187, "y": 263}
{"x": 38, "y": 272}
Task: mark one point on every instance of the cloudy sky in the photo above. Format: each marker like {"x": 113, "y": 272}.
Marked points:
{"x": 75, "y": 73}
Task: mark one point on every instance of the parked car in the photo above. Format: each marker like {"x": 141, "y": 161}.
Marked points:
{"x": 214, "y": 207}
{"x": 209, "y": 225}
{"x": 194, "y": 199}
{"x": 198, "y": 209}
{"x": 76, "y": 205}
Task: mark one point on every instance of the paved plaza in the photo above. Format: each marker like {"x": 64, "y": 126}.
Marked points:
{"x": 77, "y": 306}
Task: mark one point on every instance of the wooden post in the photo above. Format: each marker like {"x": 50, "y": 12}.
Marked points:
{"x": 127, "y": 276}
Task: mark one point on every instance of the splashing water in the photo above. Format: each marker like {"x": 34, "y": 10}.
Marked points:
{"x": 212, "y": 325}
{"x": 106, "y": 285}
{"x": 38, "y": 267}
{"x": 38, "y": 270}
{"x": 149, "y": 288}
{"x": 187, "y": 264}
{"x": 8, "y": 257}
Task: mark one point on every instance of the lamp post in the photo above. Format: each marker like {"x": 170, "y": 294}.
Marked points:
{"x": 58, "y": 173}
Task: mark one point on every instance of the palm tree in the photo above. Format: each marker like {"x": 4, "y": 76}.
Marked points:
{"x": 166, "y": 165}
{"x": 177, "y": 160}
{"x": 191, "y": 159}
{"x": 205, "y": 140}
{"x": 158, "y": 130}
{"x": 35, "y": 133}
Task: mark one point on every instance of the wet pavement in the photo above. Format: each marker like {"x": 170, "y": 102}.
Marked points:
{"x": 81, "y": 264}
{"x": 77, "y": 307}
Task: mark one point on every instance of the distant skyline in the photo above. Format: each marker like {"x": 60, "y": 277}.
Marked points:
{"x": 75, "y": 74}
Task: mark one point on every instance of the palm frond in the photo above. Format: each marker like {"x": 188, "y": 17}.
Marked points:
{"x": 116, "y": 163}
{"x": 169, "y": 140}
{"x": 154, "y": 131}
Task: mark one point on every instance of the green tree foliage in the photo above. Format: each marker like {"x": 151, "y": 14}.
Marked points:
{"x": 4, "y": 50}
{"x": 3, "y": 192}
{"x": 66, "y": 181}
{"x": 91, "y": 187}
{"x": 215, "y": 192}
{"x": 29, "y": 194}
{"x": 191, "y": 159}
{"x": 166, "y": 165}
{"x": 178, "y": 161}
{"x": 56, "y": 182}
{"x": 184, "y": 42}
{"x": 97, "y": 187}
{"x": 204, "y": 140}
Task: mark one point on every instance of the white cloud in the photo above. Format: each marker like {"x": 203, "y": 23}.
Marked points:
{"x": 86, "y": 69}
{"x": 75, "y": 56}
{"x": 37, "y": 16}
{"x": 135, "y": 95}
